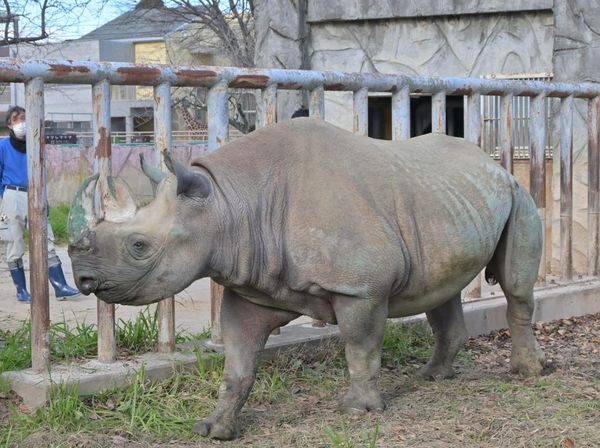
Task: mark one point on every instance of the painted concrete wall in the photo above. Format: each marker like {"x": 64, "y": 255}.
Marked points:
{"x": 67, "y": 166}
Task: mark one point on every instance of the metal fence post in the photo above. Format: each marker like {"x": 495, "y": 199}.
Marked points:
{"x": 593, "y": 186}
{"x": 401, "y": 113}
{"x": 473, "y": 134}
{"x": 537, "y": 174}
{"x": 361, "y": 111}
{"x": 438, "y": 112}
{"x": 268, "y": 106}
{"x": 218, "y": 135}
{"x": 506, "y": 131}
{"x": 162, "y": 144}
{"x": 38, "y": 225}
{"x": 317, "y": 103}
{"x": 107, "y": 342}
{"x": 566, "y": 188}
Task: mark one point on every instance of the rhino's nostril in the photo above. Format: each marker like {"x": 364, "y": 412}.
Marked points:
{"x": 87, "y": 285}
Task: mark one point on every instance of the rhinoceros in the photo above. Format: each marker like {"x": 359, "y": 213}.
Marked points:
{"x": 304, "y": 218}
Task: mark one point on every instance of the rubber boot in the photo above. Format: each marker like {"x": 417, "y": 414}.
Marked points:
{"x": 18, "y": 276}
{"x": 61, "y": 289}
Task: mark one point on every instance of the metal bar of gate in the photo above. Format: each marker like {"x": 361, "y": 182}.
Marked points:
{"x": 566, "y": 188}
{"x": 438, "y": 112}
{"x": 38, "y": 221}
{"x": 537, "y": 167}
{"x": 361, "y": 111}
{"x": 401, "y": 113}
{"x": 506, "y": 130}
{"x": 162, "y": 144}
{"x": 473, "y": 133}
{"x": 593, "y": 186}
{"x": 107, "y": 342}
{"x": 218, "y": 135}
{"x": 317, "y": 103}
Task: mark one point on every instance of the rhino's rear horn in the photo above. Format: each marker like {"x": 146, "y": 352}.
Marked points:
{"x": 189, "y": 183}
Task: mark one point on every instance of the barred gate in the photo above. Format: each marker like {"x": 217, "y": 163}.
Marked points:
{"x": 35, "y": 74}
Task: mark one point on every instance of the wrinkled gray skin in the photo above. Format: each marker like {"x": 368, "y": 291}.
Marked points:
{"x": 305, "y": 218}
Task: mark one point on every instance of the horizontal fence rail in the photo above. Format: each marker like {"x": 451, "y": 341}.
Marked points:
{"x": 218, "y": 80}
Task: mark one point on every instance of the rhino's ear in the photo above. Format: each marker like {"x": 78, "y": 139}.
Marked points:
{"x": 189, "y": 183}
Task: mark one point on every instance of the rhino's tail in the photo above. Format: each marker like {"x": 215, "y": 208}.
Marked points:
{"x": 490, "y": 277}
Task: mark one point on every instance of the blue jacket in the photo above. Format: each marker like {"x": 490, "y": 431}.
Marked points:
{"x": 13, "y": 166}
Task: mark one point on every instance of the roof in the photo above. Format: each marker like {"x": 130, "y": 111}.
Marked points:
{"x": 139, "y": 24}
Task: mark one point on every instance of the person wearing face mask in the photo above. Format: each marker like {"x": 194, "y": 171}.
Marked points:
{"x": 13, "y": 210}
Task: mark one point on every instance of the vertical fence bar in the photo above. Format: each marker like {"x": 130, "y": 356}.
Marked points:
{"x": 537, "y": 168}
{"x": 268, "y": 109}
{"x": 593, "y": 186}
{"x": 107, "y": 343}
{"x": 361, "y": 111}
{"x": 162, "y": 144}
{"x": 506, "y": 131}
{"x": 316, "y": 107}
{"x": 473, "y": 121}
{"x": 38, "y": 222}
{"x": 401, "y": 113}
{"x": 566, "y": 188}
{"x": 473, "y": 133}
{"x": 218, "y": 135}
{"x": 438, "y": 113}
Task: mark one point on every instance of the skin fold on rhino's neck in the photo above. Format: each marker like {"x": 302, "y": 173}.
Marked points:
{"x": 250, "y": 237}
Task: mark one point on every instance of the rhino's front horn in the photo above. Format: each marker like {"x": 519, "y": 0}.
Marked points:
{"x": 81, "y": 216}
{"x": 99, "y": 198}
{"x": 113, "y": 201}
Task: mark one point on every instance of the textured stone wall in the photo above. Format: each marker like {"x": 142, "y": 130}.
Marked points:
{"x": 473, "y": 45}
{"x": 576, "y": 59}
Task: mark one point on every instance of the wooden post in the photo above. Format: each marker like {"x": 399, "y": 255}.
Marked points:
{"x": 162, "y": 143}
{"x": 38, "y": 224}
{"x": 566, "y": 188}
{"x": 107, "y": 341}
{"x": 218, "y": 135}
{"x": 537, "y": 181}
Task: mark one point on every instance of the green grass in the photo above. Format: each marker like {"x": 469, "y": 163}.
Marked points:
{"x": 58, "y": 220}
{"x": 167, "y": 409}
{"x": 80, "y": 341}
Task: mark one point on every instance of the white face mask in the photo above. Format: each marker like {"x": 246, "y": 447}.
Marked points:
{"x": 20, "y": 129}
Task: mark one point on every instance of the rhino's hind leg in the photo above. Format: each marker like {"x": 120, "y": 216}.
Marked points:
{"x": 448, "y": 325}
{"x": 515, "y": 265}
{"x": 245, "y": 328}
{"x": 362, "y": 324}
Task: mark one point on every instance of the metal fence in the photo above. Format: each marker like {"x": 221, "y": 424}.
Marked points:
{"x": 35, "y": 74}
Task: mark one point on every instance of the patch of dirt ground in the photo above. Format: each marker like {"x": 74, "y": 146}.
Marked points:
{"x": 483, "y": 406}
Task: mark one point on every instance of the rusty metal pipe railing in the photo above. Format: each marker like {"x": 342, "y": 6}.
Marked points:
{"x": 219, "y": 79}
{"x": 107, "y": 342}
{"x": 83, "y": 72}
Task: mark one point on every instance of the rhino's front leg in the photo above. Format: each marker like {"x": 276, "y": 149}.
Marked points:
{"x": 362, "y": 325}
{"x": 245, "y": 327}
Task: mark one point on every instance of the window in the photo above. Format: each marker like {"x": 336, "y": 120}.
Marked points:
{"x": 490, "y": 113}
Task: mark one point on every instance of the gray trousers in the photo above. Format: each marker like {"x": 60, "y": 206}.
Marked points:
{"x": 13, "y": 221}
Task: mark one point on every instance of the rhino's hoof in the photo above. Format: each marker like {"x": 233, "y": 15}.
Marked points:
{"x": 527, "y": 363}
{"x": 353, "y": 405}
{"x": 215, "y": 430}
{"x": 436, "y": 372}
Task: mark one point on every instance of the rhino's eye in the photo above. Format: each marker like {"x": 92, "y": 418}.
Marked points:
{"x": 138, "y": 247}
